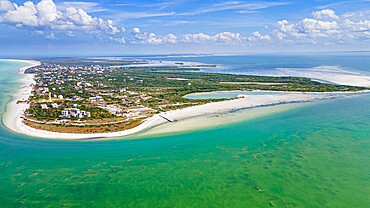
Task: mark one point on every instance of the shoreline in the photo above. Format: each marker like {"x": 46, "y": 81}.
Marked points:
{"x": 247, "y": 101}
{"x": 12, "y": 117}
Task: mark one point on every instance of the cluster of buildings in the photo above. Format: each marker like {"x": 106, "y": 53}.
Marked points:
{"x": 68, "y": 112}
{"x": 75, "y": 112}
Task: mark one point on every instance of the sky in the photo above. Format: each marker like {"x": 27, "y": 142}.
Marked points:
{"x": 131, "y": 27}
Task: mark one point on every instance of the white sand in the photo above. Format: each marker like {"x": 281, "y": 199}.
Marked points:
{"x": 12, "y": 117}
{"x": 334, "y": 74}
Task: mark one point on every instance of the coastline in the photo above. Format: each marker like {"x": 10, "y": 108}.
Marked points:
{"x": 13, "y": 116}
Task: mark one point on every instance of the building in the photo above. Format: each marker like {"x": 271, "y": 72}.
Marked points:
{"x": 76, "y": 98}
{"x": 60, "y": 96}
{"x": 75, "y": 112}
{"x": 54, "y": 105}
{"x": 96, "y": 99}
{"x": 44, "y": 106}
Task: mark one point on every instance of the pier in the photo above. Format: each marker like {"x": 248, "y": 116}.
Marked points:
{"x": 167, "y": 119}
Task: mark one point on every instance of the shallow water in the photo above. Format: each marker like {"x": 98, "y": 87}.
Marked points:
{"x": 315, "y": 155}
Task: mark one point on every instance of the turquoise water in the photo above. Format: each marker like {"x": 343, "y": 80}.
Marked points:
{"x": 316, "y": 155}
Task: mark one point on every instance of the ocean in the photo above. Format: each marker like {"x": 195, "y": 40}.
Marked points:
{"x": 312, "y": 155}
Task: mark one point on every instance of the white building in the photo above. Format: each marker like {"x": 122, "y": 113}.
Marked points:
{"x": 96, "y": 99}
{"x": 75, "y": 112}
{"x": 54, "y": 105}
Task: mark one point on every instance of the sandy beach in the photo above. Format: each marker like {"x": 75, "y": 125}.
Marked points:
{"x": 12, "y": 117}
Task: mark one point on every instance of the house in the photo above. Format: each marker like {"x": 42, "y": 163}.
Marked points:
{"x": 44, "y": 106}
{"x": 88, "y": 85}
{"x": 54, "y": 105}
{"x": 76, "y": 98}
{"x": 96, "y": 99}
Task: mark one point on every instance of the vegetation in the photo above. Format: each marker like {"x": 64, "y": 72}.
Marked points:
{"x": 126, "y": 95}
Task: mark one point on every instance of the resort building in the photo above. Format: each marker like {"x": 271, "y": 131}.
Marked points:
{"x": 75, "y": 112}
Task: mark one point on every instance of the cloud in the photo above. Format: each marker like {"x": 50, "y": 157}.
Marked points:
{"x": 343, "y": 30}
{"x": 135, "y": 30}
{"x": 240, "y": 7}
{"x": 151, "y": 38}
{"x": 86, "y": 6}
{"x": 221, "y": 38}
{"x": 137, "y": 15}
{"x": 6, "y": 6}
{"x": 256, "y": 36}
{"x": 120, "y": 40}
{"x": 325, "y": 14}
{"x": 46, "y": 15}
{"x": 357, "y": 26}
{"x": 51, "y": 36}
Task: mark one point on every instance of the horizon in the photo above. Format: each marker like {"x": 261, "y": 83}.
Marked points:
{"x": 179, "y": 55}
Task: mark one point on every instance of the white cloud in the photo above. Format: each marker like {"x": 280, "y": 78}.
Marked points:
{"x": 324, "y": 31}
{"x": 151, "y": 38}
{"x": 137, "y": 15}
{"x": 46, "y": 15}
{"x": 357, "y": 26}
{"x": 22, "y": 15}
{"x": 223, "y": 37}
{"x": 315, "y": 26}
{"x": 325, "y": 14}
{"x": 6, "y": 5}
{"x": 135, "y": 30}
{"x": 51, "y": 36}
{"x": 256, "y": 36}
{"x": 120, "y": 40}
{"x": 238, "y": 6}
{"x": 86, "y": 6}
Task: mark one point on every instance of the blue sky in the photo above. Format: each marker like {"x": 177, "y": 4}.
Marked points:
{"x": 53, "y": 27}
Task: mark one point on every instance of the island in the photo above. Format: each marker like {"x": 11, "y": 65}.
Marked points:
{"x": 94, "y": 96}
